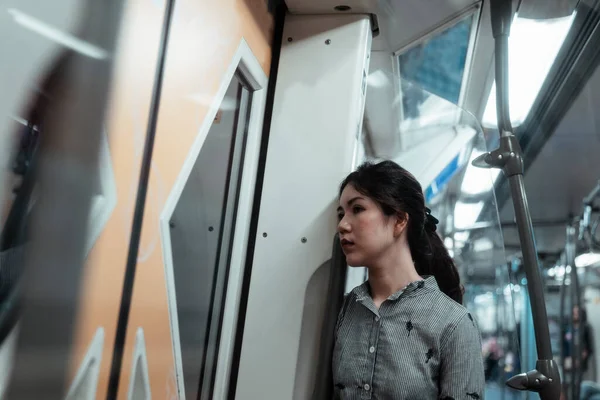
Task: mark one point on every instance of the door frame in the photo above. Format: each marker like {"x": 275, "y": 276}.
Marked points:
{"x": 245, "y": 64}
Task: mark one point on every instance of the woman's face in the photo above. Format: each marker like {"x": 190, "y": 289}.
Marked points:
{"x": 365, "y": 231}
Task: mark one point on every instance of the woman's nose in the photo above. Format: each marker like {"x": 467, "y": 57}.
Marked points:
{"x": 343, "y": 226}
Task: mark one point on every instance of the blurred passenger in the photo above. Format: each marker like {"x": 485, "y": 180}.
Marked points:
{"x": 579, "y": 322}
{"x": 492, "y": 356}
{"x": 404, "y": 333}
{"x": 587, "y": 348}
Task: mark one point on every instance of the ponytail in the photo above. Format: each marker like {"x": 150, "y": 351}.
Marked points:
{"x": 437, "y": 262}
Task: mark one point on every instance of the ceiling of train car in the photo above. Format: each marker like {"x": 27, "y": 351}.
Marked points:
{"x": 564, "y": 172}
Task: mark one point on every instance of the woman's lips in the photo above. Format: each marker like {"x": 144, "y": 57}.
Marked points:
{"x": 347, "y": 244}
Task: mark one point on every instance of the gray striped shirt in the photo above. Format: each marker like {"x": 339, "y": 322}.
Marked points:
{"x": 420, "y": 344}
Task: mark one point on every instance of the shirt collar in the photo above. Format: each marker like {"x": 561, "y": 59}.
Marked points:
{"x": 412, "y": 289}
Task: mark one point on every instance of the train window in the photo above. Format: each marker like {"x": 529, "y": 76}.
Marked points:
{"x": 201, "y": 235}
{"x": 533, "y": 47}
{"x": 420, "y": 65}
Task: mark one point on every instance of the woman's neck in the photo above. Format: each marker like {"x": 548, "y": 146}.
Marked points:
{"x": 391, "y": 275}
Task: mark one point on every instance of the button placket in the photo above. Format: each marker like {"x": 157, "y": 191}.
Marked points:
{"x": 375, "y": 336}
{"x": 376, "y": 328}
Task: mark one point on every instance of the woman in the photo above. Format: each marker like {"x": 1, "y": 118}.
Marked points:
{"x": 400, "y": 335}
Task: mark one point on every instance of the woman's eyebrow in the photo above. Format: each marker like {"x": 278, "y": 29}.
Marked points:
{"x": 352, "y": 200}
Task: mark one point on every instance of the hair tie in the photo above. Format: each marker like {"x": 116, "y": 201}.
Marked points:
{"x": 430, "y": 221}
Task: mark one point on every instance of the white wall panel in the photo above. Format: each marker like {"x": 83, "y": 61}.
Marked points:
{"x": 317, "y": 116}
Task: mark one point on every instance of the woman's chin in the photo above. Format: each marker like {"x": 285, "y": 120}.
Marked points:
{"x": 354, "y": 261}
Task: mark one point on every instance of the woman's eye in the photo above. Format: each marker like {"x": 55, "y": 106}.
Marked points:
{"x": 340, "y": 216}
{"x": 357, "y": 209}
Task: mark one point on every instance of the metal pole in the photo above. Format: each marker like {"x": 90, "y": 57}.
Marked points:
{"x": 534, "y": 279}
{"x": 563, "y": 331}
{"x": 589, "y": 199}
{"x": 545, "y": 379}
{"x": 576, "y": 302}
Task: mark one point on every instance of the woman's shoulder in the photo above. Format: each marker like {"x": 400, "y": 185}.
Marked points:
{"x": 454, "y": 313}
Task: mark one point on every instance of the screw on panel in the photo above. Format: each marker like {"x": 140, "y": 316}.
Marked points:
{"x": 342, "y": 8}
{"x": 303, "y": 240}
{"x": 328, "y": 42}
{"x": 264, "y": 234}
{"x": 210, "y": 229}
{"x": 290, "y": 39}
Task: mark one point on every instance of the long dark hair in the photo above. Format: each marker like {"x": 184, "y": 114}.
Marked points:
{"x": 397, "y": 191}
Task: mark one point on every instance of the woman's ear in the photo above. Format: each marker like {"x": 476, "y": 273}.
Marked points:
{"x": 401, "y": 223}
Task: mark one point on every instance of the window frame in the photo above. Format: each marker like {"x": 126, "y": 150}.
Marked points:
{"x": 475, "y": 11}
{"x": 246, "y": 67}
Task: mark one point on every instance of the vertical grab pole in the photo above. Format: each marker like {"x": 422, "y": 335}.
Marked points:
{"x": 562, "y": 323}
{"x": 576, "y": 334}
{"x": 545, "y": 379}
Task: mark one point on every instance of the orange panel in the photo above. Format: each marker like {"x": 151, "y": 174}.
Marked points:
{"x": 204, "y": 37}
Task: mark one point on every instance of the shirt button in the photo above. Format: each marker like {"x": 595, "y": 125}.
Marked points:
{"x": 367, "y": 387}
{"x": 372, "y": 349}
{"x": 377, "y": 319}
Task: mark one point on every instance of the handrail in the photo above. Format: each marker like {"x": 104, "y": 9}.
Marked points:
{"x": 545, "y": 378}
{"x": 570, "y": 249}
{"x": 335, "y": 297}
{"x": 595, "y": 192}
{"x": 562, "y": 326}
